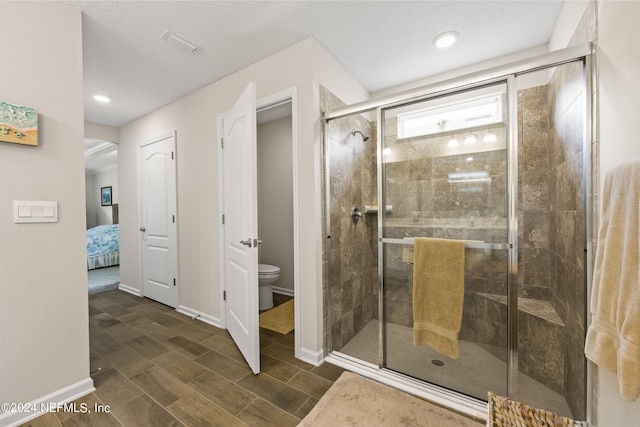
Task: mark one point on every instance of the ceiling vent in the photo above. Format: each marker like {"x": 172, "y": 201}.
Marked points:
{"x": 179, "y": 42}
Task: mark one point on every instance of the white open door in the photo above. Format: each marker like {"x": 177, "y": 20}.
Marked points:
{"x": 241, "y": 225}
{"x": 158, "y": 228}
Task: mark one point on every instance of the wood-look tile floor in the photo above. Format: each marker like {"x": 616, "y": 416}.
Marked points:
{"x": 153, "y": 366}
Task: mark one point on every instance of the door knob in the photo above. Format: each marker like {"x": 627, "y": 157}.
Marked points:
{"x": 143, "y": 229}
{"x": 246, "y": 242}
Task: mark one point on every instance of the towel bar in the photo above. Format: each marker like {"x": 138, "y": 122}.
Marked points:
{"x": 469, "y": 245}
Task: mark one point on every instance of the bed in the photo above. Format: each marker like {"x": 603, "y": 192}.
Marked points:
{"x": 102, "y": 246}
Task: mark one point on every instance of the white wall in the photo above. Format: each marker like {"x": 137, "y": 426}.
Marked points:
{"x": 570, "y": 16}
{"x": 91, "y": 200}
{"x": 275, "y": 198}
{"x": 44, "y": 337}
{"x": 473, "y": 68}
{"x": 194, "y": 119}
{"x": 104, "y": 214}
{"x": 572, "y": 12}
{"x": 94, "y": 130}
{"x": 619, "y": 92}
{"x": 96, "y": 213}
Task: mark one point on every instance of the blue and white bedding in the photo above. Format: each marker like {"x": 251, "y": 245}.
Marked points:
{"x": 102, "y": 246}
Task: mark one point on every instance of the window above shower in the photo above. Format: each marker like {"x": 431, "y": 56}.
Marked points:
{"x": 460, "y": 124}
{"x": 479, "y": 111}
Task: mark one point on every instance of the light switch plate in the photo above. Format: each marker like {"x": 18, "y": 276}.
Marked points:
{"x": 31, "y": 211}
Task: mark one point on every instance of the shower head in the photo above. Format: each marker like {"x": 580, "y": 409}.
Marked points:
{"x": 364, "y": 137}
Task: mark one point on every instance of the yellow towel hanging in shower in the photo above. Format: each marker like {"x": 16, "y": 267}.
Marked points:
{"x": 438, "y": 293}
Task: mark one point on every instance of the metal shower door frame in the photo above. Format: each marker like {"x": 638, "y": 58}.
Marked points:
{"x": 507, "y": 73}
{"x": 511, "y": 245}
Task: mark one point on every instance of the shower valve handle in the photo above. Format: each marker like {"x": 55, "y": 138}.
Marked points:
{"x": 356, "y": 214}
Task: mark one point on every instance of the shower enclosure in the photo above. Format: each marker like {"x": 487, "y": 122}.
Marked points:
{"x": 501, "y": 162}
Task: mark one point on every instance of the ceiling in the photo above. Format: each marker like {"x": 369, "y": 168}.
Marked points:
{"x": 381, "y": 43}
{"x": 99, "y": 156}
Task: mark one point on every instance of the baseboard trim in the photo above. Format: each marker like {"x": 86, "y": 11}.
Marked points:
{"x": 316, "y": 358}
{"x": 51, "y": 400}
{"x": 129, "y": 289}
{"x": 283, "y": 291}
{"x": 213, "y": 321}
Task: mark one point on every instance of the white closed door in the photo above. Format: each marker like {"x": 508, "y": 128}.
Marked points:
{"x": 158, "y": 227}
{"x": 239, "y": 154}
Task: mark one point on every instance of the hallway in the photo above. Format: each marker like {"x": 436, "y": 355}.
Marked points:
{"x": 153, "y": 366}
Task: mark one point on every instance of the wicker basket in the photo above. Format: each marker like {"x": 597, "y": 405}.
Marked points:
{"x": 508, "y": 413}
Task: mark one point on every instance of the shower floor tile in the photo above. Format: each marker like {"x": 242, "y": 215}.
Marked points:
{"x": 474, "y": 372}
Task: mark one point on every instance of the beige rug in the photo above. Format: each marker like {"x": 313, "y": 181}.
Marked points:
{"x": 279, "y": 318}
{"x": 356, "y": 401}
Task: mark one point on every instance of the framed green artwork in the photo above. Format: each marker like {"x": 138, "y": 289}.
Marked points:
{"x": 18, "y": 125}
{"x": 105, "y": 196}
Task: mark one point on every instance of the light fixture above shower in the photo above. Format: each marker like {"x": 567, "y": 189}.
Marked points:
{"x": 364, "y": 137}
{"x": 490, "y": 137}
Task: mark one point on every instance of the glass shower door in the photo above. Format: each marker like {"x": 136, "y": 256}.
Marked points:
{"x": 444, "y": 174}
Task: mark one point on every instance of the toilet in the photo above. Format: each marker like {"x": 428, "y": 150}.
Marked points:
{"x": 267, "y": 275}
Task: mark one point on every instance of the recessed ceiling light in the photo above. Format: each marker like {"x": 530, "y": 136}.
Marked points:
{"x": 446, "y": 39}
{"x": 101, "y": 98}
{"x": 452, "y": 143}
{"x": 471, "y": 139}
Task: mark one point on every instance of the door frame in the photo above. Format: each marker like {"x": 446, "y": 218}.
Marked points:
{"x": 287, "y": 95}
{"x": 176, "y": 258}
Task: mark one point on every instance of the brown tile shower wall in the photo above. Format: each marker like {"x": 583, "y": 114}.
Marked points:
{"x": 427, "y": 203}
{"x": 567, "y": 222}
{"x": 551, "y": 234}
{"x": 354, "y": 267}
{"x": 533, "y": 193}
{"x": 541, "y": 341}
{"x": 573, "y": 300}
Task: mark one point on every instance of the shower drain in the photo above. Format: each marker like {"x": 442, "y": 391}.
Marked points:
{"x": 437, "y": 362}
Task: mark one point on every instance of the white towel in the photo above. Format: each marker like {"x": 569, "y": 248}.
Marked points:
{"x": 613, "y": 338}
